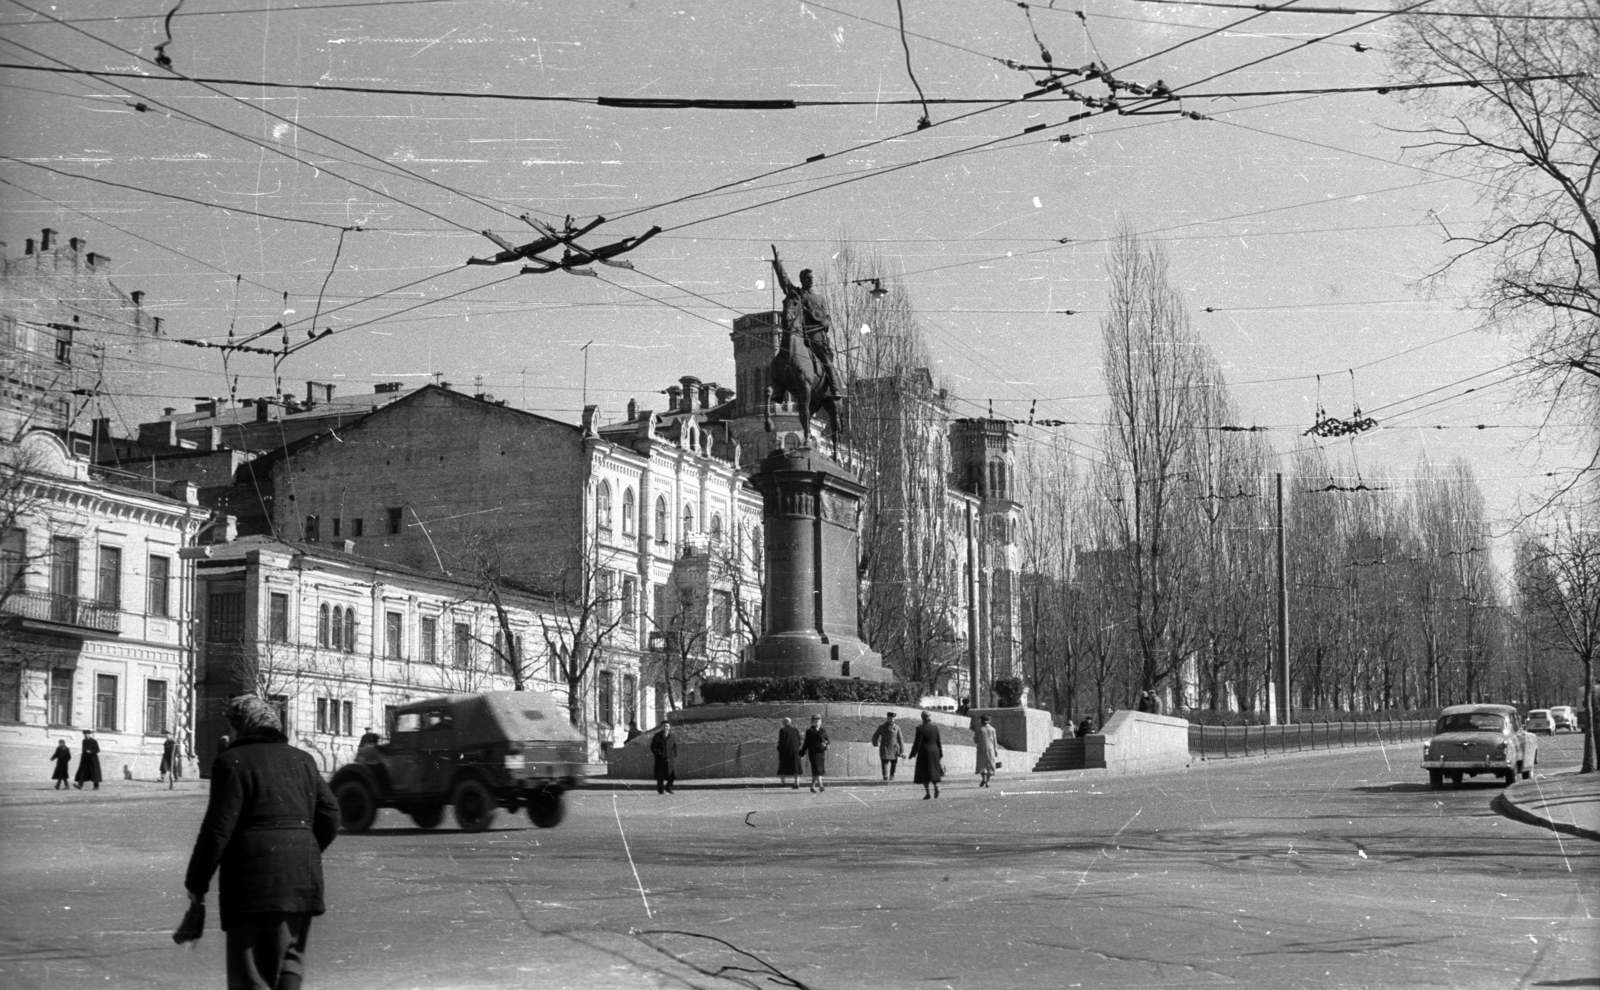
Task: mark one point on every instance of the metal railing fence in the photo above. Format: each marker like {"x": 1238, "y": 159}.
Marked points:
{"x": 1225, "y": 741}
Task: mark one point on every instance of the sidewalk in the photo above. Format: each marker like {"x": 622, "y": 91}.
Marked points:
{"x": 1565, "y": 802}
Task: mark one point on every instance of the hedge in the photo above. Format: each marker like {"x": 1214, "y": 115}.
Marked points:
{"x": 754, "y": 689}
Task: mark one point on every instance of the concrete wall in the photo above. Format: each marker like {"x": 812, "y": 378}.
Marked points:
{"x": 1131, "y": 742}
{"x": 703, "y": 761}
{"x": 1027, "y": 729}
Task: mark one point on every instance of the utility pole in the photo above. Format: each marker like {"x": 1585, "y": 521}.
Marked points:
{"x": 1283, "y": 614}
{"x": 585, "y": 350}
{"x": 972, "y": 611}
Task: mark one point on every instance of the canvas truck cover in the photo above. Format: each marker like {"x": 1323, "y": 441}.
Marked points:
{"x": 499, "y": 716}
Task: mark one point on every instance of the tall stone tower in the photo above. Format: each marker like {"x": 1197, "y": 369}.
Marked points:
{"x": 983, "y": 459}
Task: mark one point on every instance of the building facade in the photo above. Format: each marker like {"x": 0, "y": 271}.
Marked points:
{"x": 95, "y": 596}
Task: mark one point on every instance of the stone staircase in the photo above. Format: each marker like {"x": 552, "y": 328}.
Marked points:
{"x": 1062, "y": 754}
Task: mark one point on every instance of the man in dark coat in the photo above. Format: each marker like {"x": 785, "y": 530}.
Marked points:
{"x": 368, "y": 738}
{"x": 271, "y": 815}
{"x": 88, "y": 763}
{"x": 665, "y": 749}
{"x": 789, "y": 753}
{"x": 891, "y": 745}
{"x": 169, "y": 749}
{"x": 928, "y": 751}
{"x": 63, "y": 758}
{"x": 816, "y": 747}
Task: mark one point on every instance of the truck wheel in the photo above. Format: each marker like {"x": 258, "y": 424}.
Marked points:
{"x": 546, "y": 809}
{"x": 357, "y": 805}
{"x": 428, "y": 815}
{"x": 474, "y": 805}
{"x": 1436, "y": 779}
{"x": 1455, "y": 777}
{"x": 1509, "y": 777}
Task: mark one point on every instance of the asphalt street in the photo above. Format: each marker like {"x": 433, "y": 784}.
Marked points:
{"x": 1325, "y": 870}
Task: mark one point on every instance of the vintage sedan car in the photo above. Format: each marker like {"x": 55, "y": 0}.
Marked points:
{"x": 1565, "y": 718}
{"x": 474, "y": 753}
{"x": 1540, "y": 720}
{"x": 1479, "y": 739}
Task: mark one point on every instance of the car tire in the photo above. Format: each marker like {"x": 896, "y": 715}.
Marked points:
{"x": 1436, "y": 779}
{"x": 428, "y": 816}
{"x": 1508, "y": 778}
{"x": 474, "y": 806}
{"x": 358, "y": 806}
{"x": 546, "y": 809}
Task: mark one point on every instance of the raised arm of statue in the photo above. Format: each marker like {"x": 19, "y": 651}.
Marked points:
{"x": 787, "y": 286}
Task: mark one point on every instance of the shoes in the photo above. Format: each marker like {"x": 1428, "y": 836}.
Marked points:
{"x": 822, "y": 787}
{"x": 78, "y": 785}
{"x": 936, "y": 792}
{"x": 813, "y": 788}
{"x": 927, "y": 797}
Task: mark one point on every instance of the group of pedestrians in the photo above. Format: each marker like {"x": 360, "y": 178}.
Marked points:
{"x": 89, "y": 763}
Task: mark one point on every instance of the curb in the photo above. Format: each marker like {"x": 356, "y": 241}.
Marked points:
{"x": 1516, "y": 812}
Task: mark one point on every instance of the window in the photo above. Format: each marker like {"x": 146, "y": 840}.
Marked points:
{"x": 606, "y": 594}
{"x": 393, "y": 514}
{"x": 658, "y": 604}
{"x": 757, "y": 547}
{"x": 463, "y": 645}
{"x": 323, "y": 636}
{"x": 60, "y": 696}
{"x": 662, "y": 536}
{"x": 11, "y": 692}
{"x": 602, "y": 508}
{"x": 391, "y": 635}
{"x": 722, "y": 612}
{"x": 158, "y": 584}
{"x": 225, "y": 617}
{"x": 336, "y": 628}
{"x": 336, "y": 527}
{"x": 630, "y": 698}
{"x": 627, "y": 512}
{"x": 335, "y": 717}
{"x": 429, "y": 647}
{"x": 64, "y": 566}
{"x": 13, "y": 560}
{"x": 502, "y": 660}
{"x": 313, "y": 529}
{"x": 278, "y": 618}
{"x": 630, "y": 601}
{"x": 155, "y": 708}
{"x": 108, "y": 583}
{"x": 105, "y": 702}
{"x": 688, "y": 520}
{"x": 349, "y": 709}
{"x": 604, "y": 695}
{"x": 322, "y": 714}
{"x": 280, "y": 704}
{"x": 716, "y": 527}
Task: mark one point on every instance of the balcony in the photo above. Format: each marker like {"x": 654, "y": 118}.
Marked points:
{"x": 60, "y": 614}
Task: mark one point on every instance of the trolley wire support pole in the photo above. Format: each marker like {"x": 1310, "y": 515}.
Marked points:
{"x": 1283, "y": 613}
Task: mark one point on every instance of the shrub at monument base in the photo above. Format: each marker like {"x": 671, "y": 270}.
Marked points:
{"x": 1008, "y": 692}
{"x": 756, "y": 689}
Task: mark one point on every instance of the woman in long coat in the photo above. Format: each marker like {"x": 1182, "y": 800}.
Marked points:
{"x": 816, "y": 747}
{"x": 63, "y": 758}
{"x": 88, "y": 763}
{"x": 789, "y": 753}
{"x": 983, "y": 742}
{"x": 665, "y": 750}
{"x": 928, "y": 751}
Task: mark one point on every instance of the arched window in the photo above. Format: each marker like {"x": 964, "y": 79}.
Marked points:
{"x": 338, "y": 628}
{"x": 627, "y": 512}
{"x": 661, "y": 519}
{"x": 322, "y": 626}
{"x": 757, "y": 547}
{"x": 716, "y": 526}
{"x": 688, "y": 520}
{"x": 349, "y": 630}
{"x": 602, "y": 508}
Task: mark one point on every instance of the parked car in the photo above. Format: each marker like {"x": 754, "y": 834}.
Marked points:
{"x": 1540, "y": 720}
{"x": 938, "y": 703}
{"x": 1565, "y": 718}
{"x": 1469, "y": 740}
{"x": 474, "y": 752}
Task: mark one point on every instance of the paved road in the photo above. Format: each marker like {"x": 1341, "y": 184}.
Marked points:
{"x": 1326, "y": 870}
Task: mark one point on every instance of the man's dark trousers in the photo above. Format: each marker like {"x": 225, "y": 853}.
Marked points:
{"x": 267, "y": 950}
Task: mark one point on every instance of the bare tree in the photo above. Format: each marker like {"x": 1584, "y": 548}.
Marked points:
{"x": 679, "y": 643}
{"x": 580, "y": 632}
{"x": 1567, "y": 598}
{"x": 1528, "y": 130}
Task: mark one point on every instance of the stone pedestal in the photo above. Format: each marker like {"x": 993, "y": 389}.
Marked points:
{"x": 809, "y": 514}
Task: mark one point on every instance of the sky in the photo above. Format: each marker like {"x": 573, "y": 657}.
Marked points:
{"x": 1299, "y": 228}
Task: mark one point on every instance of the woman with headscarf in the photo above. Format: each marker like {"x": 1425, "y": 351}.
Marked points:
{"x": 928, "y": 751}
{"x": 789, "y": 753}
{"x": 270, "y": 817}
{"x": 986, "y": 756}
{"x": 88, "y": 763}
{"x": 63, "y": 758}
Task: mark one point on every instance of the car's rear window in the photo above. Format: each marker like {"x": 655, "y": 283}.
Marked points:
{"x": 1538, "y": 713}
{"x": 1472, "y": 722}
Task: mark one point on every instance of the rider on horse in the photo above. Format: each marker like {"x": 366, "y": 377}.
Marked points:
{"x": 812, "y": 311}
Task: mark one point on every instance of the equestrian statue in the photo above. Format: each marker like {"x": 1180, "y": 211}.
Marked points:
{"x": 802, "y": 370}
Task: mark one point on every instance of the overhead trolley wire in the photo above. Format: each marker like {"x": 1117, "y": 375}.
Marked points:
{"x": 1352, "y": 11}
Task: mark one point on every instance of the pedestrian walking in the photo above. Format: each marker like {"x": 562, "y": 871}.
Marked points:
{"x": 891, "y": 745}
{"x": 665, "y": 750}
{"x": 816, "y": 748}
{"x": 986, "y": 751}
{"x": 269, "y": 819}
{"x": 88, "y": 763}
{"x": 1085, "y": 727}
{"x": 63, "y": 770}
{"x": 633, "y": 731}
{"x": 928, "y": 751}
{"x": 169, "y": 749}
{"x": 789, "y": 753}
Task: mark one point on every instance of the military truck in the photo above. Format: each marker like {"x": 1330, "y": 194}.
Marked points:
{"x": 476, "y": 753}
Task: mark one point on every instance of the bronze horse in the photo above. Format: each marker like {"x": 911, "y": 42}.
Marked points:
{"x": 799, "y": 377}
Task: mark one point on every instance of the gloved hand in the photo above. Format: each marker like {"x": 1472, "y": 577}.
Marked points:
{"x": 193, "y": 923}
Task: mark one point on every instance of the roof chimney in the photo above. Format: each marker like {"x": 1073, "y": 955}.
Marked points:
{"x": 46, "y": 236}
{"x": 674, "y": 397}
{"x": 137, "y": 295}
{"x": 75, "y": 243}
{"x": 705, "y": 394}
{"x": 264, "y": 409}
{"x": 689, "y": 383}
{"x": 99, "y": 260}
{"x": 27, "y": 248}
{"x": 633, "y": 410}
{"x": 724, "y": 395}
